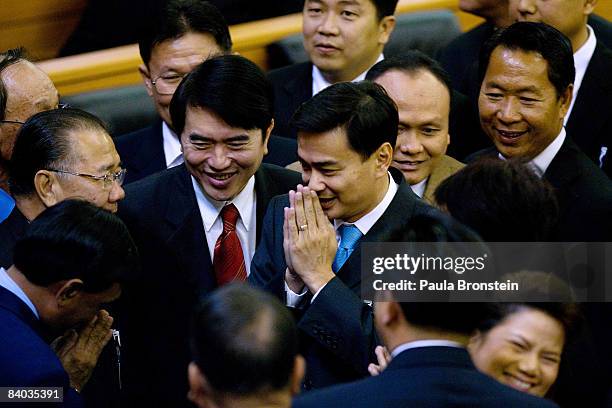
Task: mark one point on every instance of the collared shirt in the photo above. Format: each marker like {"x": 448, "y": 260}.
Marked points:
{"x": 364, "y": 224}
{"x": 172, "y": 147}
{"x": 419, "y": 188}
{"x": 246, "y": 228}
{"x": 9, "y": 284}
{"x": 582, "y": 57}
{"x": 319, "y": 82}
{"x": 540, "y": 163}
{"x": 424, "y": 343}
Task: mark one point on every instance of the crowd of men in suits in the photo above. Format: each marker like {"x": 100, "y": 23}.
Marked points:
{"x": 208, "y": 201}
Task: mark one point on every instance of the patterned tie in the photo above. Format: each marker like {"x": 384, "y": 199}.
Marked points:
{"x": 228, "y": 262}
{"x": 349, "y": 236}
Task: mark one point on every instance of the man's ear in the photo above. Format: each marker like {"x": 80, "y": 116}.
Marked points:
{"x": 146, "y": 78}
{"x": 388, "y": 312}
{"x": 68, "y": 291}
{"x": 385, "y": 28}
{"x": 267, "y": 136}
{"x": 589, "y": 7}
{"x": 384, "y": 158}
{"x": 565, "y": 100}
{"x": 297, "y": 375}
{"x": 48, "y": 188}
{"x": 475, "y": 340}
{"x": 199, "y": 389}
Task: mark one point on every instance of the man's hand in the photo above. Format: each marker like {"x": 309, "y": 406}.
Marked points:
{"x": 79, "y": 352}
{"x": 383, "y": 357}
{"x": 311, "y": 240}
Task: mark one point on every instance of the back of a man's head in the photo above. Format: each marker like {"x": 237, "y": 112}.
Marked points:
{"x": 76, "y": 240}
{"x": 7, "y": 59}
{"x": 363, "y": 109}
{"x": 230, "y": 86}
{"x": 45, "y": 141}
{"x": 244, "y": 342}
{"x": 179, "y": 17}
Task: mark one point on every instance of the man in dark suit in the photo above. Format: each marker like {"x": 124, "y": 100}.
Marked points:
{"x": 197, "y": 225}
{"x": 346, "y": 135}
{"x": 526, "y": 92}
{"x": 66, "y": 266}
{"x": 184, "y": 33}
{"x": 430, "y": 366}
{"x": 343, "y": 40}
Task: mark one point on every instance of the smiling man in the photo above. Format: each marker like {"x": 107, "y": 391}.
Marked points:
{"x": 421, "y": 90}
{"x": 527, "y": 72}
{"x": 343, "y": 39}
{"x": 346, "y": 136}
{"x": 197, "y": 224}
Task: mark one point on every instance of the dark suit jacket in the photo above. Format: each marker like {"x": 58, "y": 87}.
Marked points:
{"x": 337, "y": 336}
{"x": 142, "y": 152}
{"x": 583, "y": 191}
{"x": 425, "y": 377}
{"x": 27, "y": 360}
{"x": 11, "y": 229}
{"x": 163, "y": 217}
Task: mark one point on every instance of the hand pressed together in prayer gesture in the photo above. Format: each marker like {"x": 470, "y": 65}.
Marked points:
{"x": 79, "y": 350}
{"x": 309, "y": 242}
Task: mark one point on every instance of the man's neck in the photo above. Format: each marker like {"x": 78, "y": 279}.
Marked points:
{"x": 580, "y": 38}
{"x": 350, "y": 73}
{"x": 410, "y": 333}
{"x": 279, "y": 399}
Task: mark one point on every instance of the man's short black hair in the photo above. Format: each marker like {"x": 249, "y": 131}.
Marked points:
{"x": 384, "y": 7}
{"x": 363, "y": 109}
{"x": 45, "y": 142}
{"x": 244, "y": 340}
{"x": 180, "y": 17}
{"x": 540, "y": 38}
{"x": 232, "y": 87}
{"x": 411, "y": 62}
{"x": 7, "y": 59}
{"x": 502, "y": 200}
{"x": 76, "y": 240}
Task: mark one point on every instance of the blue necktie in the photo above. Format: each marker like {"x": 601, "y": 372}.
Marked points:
{"x": 349, "y": 236}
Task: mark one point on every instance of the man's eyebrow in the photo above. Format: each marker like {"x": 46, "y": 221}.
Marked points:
{"x": 530, "y": 88}
{"x": 325, "y": 163}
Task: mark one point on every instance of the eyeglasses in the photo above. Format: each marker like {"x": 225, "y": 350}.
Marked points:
{"x": 18, "y": 122}
{"x": 108, "y": 179}
{"x": 166, "y": 85}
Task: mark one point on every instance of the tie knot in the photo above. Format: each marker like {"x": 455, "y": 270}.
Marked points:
{"x": 229, "y": 215}
{"x": 349, "y": 235}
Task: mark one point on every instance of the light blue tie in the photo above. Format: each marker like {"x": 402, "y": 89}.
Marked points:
{"x": 349, "y": 236}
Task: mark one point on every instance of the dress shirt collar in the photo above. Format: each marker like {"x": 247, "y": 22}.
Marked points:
{"x": 211, "y": 209}
{"x": 582, "y": 57}
{"x": 319, "y": 82}
{"x": 419, "y": 188}
{"x": 172, "y": 146}
{"x": 365, "y": 223}
{"x": 9, "y": 284}
{"x": 540, "y": 163}
{"x": 424, "y": 343}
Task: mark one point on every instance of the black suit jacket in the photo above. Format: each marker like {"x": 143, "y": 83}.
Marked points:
{"x": 11, "y": 229}
{"x": 337, "y": 336}
{"x": 142, "y": 152}
{"x": 163, "y": 217}
{"x": 424, "y": 377}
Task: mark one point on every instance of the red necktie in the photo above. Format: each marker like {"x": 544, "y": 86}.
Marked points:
{"x": 229, "y": 260}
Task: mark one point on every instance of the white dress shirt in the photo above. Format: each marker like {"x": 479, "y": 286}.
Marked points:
{"x": 540, "y": 163}
{"x": 319, "y": 82}
{"x": 364, "y": 224}
{"x": 246, "y": 228}
{"x": 9, "y": 284}
{"x": 419, "y": 188}
{"x": 172, "y": 147}
{"x": 582, "y": 57}
{"x": 424, "y": 343}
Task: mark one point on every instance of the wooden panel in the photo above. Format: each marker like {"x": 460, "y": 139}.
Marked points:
{"x": 604, "y": 8}
{"x": 118, "y": 66}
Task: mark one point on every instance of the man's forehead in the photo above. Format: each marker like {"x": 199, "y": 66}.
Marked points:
{"x": 332, "y": 3}
{"x": 184, "y": 50}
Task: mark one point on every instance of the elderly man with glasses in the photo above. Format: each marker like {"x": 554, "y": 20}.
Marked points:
{"x": 59, "y": 154}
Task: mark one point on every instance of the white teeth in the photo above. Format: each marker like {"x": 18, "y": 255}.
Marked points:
{"x": 221, "y": 176}
{"x": 522, "y": 385}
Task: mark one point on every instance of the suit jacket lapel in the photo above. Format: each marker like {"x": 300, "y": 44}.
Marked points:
{"x": 299, "y": 87}
{"x": 150, "y": 156}
{"x": 188, "y": 240}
